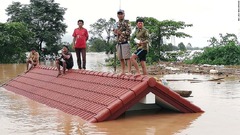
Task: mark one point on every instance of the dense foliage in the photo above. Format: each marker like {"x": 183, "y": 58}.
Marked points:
{"x": 160, "y": 30}
{"x": 225, "y": 51}
{"x": 42, "y": 17}
{"x": 102, "y": 38}
{"x": 15, "y": 39}
{"x": 157, "y": 29}
{"x": 40, "y": 23}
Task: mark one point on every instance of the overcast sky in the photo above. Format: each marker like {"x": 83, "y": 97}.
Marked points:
{"x": 209, "y": 17}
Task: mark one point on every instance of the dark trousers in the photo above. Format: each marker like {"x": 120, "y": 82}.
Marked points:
{"x": 80, "y": 51}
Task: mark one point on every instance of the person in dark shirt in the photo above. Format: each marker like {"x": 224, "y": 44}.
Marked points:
{"x": 66, "y": 60}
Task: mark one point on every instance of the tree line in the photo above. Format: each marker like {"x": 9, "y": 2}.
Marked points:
{"x": 222, "y": 51}
{"x": 37, "y": 24}
{"x": 40, "y": 23}
{"x": 104, "y": 40}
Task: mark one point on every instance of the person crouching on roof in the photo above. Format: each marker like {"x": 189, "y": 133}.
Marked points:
{"x": 32, "y": 59}
{"x": 66, "y": 60}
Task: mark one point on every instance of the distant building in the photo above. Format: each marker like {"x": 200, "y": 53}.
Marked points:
{"x": 171, "y": 40}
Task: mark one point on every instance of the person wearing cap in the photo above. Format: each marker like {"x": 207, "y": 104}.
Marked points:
{"x": 33, "y": 59}
{"x": 122, "y": 31}
{"x": 66, "y": 60}
{"x": 80, "y": 37}
{"x": 141, "y": 39}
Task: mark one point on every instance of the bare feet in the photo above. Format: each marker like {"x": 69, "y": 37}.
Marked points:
{"x": 58, "y": 74}
{"x": 129, "y": 74}
{"x": 121, "y": 74}
{"x": 26, "y": 71}
{"x": 137, "y": 75}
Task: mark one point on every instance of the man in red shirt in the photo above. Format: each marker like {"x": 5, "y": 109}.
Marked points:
{"x": 80, "y": 37}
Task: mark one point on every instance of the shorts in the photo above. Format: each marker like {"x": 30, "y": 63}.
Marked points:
{"x": 123, "y": 51}
{"x": 68, "y": 65}
{"x": 142, "y": 54}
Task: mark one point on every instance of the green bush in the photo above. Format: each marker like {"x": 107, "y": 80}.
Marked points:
{"x": 228, "y": 54}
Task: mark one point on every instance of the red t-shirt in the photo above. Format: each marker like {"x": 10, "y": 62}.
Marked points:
{"x": 81, "y": 36}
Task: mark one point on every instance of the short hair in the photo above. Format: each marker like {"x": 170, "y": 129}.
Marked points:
{"x": 65, "y": 46}
{"x": 139, "y": 20}
{"x": 33, "y": 48}
{"x": 81, "y": 21}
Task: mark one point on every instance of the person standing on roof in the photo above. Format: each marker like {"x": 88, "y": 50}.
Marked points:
{"x": 122, "y": 32}
{"x": 141, "y": 39}
{"x": 80, "y": 37}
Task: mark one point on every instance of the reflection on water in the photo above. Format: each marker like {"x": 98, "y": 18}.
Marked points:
{"x": 219, "y": 100}
{"x": 23, "y": 116}
{"x": 147, "y": 123}
{"x": 8, "y": 71}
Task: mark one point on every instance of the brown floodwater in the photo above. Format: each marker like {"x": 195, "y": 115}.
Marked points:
{"x": 220, "y": 101}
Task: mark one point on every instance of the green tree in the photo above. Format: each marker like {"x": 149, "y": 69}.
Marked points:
{"x": 101, "y": 27}
{"x": 97, "y": 45}
{"x": 182, "y": 47}
{"x": 103, "y": 30}
{"x": 43, "y": 17}
{"x": 189, "y": 46}
{"x": 213, "y": 42}
{"x": 224, "y": 40}
{"x": 15, "y": 40}
{"x": 158, "y": 30}
{"x": 225, "y": 52}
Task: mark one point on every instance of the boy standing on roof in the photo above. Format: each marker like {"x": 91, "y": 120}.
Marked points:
{"x": 141, "y": 38}
{"x": 123, "y": 31}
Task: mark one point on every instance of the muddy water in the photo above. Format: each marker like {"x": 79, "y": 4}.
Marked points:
{"x": 219, "y": 100}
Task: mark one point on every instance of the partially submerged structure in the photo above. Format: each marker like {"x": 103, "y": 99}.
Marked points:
{"x": 96, "y": 96}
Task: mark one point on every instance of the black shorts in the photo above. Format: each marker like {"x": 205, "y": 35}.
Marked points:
{"x": 68, "y": 65}
{"x": 141, "y": 54}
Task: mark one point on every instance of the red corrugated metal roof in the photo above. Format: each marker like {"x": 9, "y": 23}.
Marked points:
{"x": 94, "y": 96}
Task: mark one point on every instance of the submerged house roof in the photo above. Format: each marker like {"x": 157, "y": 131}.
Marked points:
{"x": 93, "y": 96}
